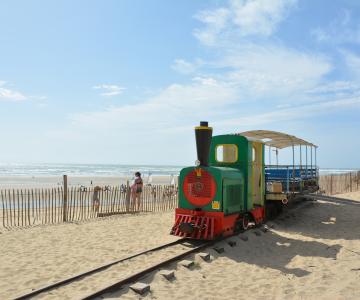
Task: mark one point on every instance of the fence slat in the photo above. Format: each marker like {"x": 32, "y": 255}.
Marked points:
{"x": 37, "y": 200}
{"x": 3, "y": 209}
{"x": 28, "y": 206}
{"x": 89, "y": 203}
{"x": 74, "y": 206}
{"x": 79, "y": 198}
{"x": 8, "y": 211}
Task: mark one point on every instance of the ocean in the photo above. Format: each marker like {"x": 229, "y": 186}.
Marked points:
{"x": 35, "y": 170}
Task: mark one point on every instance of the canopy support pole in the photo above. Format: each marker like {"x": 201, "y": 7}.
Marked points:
{"x": 270, "y": 155}
{"x": 306, "y": 154}
{"x": 300, "y": 169}
{"x": 316, "y": 169}
{"x": 293, "y": 172}
{"x": 311, "y": 162}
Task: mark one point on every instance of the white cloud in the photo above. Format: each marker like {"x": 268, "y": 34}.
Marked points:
{"x": 215, "y": 21}
{"x": 262, "y": 68}
{"x": 109, "y": 89}
{"x": 172, "y": 106}
{"x": 291, "y": 113}
{"x": 7, "y": 94}
{"x": 336, "y": 87}
{"x": 340, "y": 31}
{"x": 352, "y": 61}
{"x": 273, "y": 69}
{"x": 260, "y": 17}
{"x": 206, "y": 80}
{"x": 185, "y": 67}
{"x": 320, "y": 35}
{"x": 242, "y": 18}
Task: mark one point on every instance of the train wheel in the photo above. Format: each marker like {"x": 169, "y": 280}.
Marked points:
{"x": 245, "y": 222}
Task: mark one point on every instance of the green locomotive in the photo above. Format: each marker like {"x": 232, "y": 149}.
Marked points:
{"x": 227, "y": 188}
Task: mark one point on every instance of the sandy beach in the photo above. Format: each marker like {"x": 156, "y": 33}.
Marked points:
{"x": 310, "y": 253}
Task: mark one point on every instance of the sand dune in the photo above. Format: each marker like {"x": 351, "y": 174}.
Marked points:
{"x": 310, "y": 253}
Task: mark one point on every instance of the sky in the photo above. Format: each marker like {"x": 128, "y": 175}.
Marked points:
{"x": 125, "y": 82}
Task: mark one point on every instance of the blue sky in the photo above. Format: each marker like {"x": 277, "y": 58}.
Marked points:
{"x": 126, "y": 81}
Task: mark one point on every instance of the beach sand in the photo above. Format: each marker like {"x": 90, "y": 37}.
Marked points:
{"x": 309, "y": 253}
{"x": 351, "y": 196}
{"x": 34, "y": 257}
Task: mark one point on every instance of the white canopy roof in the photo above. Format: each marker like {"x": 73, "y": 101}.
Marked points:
{"x": 275, "y": 139}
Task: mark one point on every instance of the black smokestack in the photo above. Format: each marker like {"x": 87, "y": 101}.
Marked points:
{"x": 203, "y": 134}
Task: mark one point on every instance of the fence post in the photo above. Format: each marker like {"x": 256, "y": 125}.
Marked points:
{"x": 65, "y": 198}
{"x": 350, "y": 183}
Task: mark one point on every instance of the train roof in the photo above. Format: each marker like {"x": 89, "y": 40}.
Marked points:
{"x": 275, "y": 139}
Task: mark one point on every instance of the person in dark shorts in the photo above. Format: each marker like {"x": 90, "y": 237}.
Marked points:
{"x": 136, "y": 190}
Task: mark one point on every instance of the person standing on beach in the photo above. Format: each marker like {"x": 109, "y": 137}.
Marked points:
{"x": 96, "y": 199}
{"x": 136, "y": 190}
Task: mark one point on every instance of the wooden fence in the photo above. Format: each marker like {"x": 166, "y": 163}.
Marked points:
{"x": 29, "y": 207}
{"x": 340, "y": 183}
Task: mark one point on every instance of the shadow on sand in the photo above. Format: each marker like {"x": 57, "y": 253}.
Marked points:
{"x": 274, "y": 251}
{"x": 324, "y": 220}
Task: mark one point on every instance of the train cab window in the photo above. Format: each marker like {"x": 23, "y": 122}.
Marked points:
{"x": 253, "y": 154}
{"x": 226, "y": 153}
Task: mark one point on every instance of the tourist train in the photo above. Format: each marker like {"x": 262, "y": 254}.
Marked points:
{"x": 230, "y": 186}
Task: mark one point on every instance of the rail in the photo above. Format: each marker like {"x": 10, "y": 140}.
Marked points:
{"x": 118, "y": 285}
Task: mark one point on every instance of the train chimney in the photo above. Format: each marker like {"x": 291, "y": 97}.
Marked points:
{"x": 203, "y": 134}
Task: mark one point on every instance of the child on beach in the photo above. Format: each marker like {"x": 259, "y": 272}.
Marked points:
{"x": 136, "y": 190}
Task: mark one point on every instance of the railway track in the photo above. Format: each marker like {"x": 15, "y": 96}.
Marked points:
{"x": 54, "y": 288}
{"x": 120, "y": 284}
{"x": 202, "y": 245}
